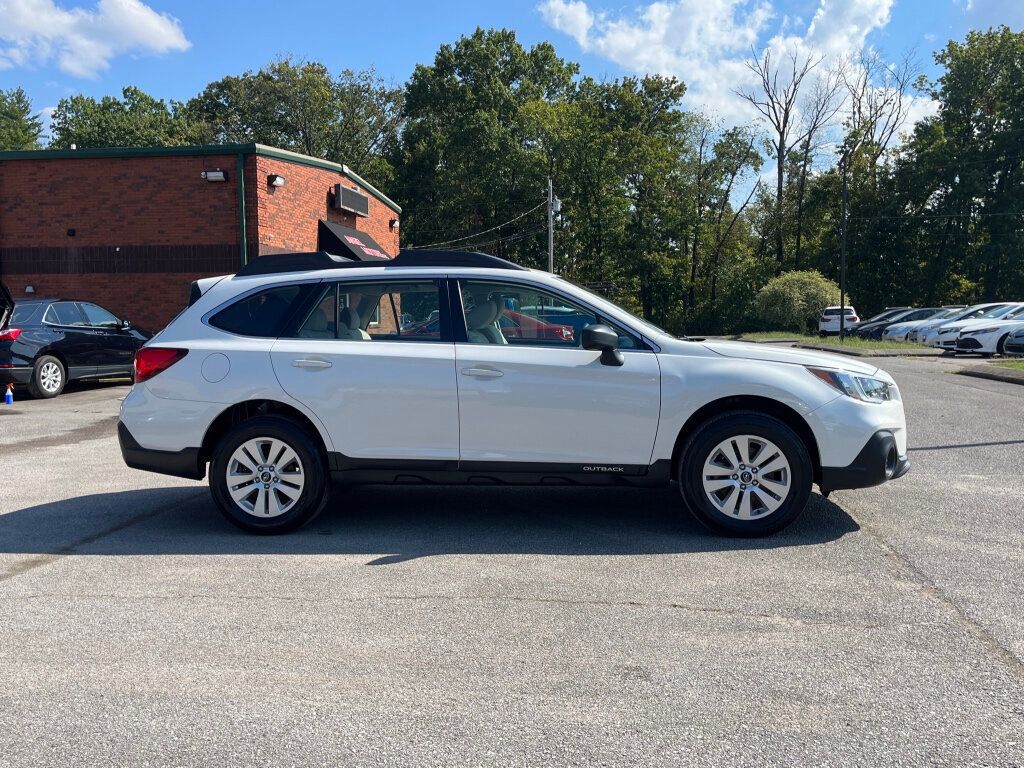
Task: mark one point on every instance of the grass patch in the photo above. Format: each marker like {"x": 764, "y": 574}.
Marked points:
{"x": 855, "y": 342}
{"x": 773, "y": 336}
{"x": 1017, "y": 365}
{"x": 850, "y": 342}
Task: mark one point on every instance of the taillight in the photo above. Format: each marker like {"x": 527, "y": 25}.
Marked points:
{"x": 854, "y": 319}
{"x": 10, "y": 334}
{"x": 149, "y": 361}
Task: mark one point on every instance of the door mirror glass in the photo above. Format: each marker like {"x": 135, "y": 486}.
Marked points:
{"x": 602, "y": 338}
{"x": 125, "y": 325}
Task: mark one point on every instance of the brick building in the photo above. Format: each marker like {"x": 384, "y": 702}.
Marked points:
{"x": 132, "y": 228}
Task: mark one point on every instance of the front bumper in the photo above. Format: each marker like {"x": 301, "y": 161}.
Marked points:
{"x": 878, "y": 462}
{"x": 184, "y": 463}
{"x": 969, "y": 344}
{"x": 16, "y": 375}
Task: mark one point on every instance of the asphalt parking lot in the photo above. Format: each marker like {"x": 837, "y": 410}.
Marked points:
{"x": 506, "y": 627}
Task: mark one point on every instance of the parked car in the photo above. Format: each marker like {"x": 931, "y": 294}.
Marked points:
{"x": 45, "y": 343}
{"x": 902, "y": 329}
{"x": 873, "y": 329}
{"x": 828, "y": 323}
{"x": 1014, "y": 346}
{"x": 944, "y": 336}
{"x": 989, "y": 338}
{"x": 274, "y": 411}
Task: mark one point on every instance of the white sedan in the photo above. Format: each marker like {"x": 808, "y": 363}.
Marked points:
{"x": 944, "y": 336}
{"x": 901, "y": 331}
{"x": 988, "y": 339}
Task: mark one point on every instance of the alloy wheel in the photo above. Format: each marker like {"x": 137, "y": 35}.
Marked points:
{"x": 50, "y": 377}
{"x": 746, "y": 477}
{"x": 265, "y": 477}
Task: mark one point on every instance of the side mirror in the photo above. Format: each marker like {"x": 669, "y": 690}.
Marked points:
{"x": 601, "y": 337}
{"x": 125, "y": 325}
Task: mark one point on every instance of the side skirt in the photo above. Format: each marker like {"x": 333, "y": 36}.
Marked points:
{"x": 426, "y": 472}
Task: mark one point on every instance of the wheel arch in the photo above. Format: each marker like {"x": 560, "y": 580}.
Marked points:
{"x": 249, "y": 409}
{"x": 784, "y": 413}
{"x": 50, "y": 352}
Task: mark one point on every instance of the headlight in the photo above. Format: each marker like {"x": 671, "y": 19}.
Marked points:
{"x": 866, "y": 388}
{"x": 980, "y": 331}
{"x": 944, "y": 331}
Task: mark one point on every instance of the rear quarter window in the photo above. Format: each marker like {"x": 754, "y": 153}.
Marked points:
{"x": 263, "y": 314}
{"x": 22, "y": 313}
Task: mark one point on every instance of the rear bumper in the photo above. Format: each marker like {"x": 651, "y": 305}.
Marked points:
{"x": 16, "y": 375}
{"x": 183, "y": 463}
{"x": 878, "y": 462}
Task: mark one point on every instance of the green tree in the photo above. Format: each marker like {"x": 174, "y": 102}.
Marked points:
{"x": 793, "y": 301}
{"x": 352, "y": 118}
{"x": 20, "y": 128}
{"x": 134, "y": 120}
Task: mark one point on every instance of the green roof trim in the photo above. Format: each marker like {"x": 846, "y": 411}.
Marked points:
{"x": 206, "y": 149}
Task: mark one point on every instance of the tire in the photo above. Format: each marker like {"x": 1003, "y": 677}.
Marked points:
{"x": 297, "y": 485}
{"x": 1001, "y": 345}
{"x": 48, "y": 378}
{"x": 774, "y": 499}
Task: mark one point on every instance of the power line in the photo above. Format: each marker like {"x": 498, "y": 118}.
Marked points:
{"x": 507, "y": 239}
{"x": 483, "y": 232}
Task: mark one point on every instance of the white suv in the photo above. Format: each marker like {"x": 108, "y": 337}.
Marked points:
{"x": 297, "y": 370}
{"x": 828, "y": 323}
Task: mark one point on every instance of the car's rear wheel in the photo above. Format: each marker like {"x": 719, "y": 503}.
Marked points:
{"x": 745, "y": 474}
{"x": 268, "y": 476}
{"x": 48, "y": 377}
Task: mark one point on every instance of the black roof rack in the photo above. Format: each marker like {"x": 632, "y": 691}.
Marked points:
{"x": 307, "y": 262}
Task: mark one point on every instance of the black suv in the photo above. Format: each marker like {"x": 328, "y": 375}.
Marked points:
{"x": 45, "y": 343}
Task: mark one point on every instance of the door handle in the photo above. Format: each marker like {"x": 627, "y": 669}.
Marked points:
{"x": 303, "y": 362}
{"x": 484, "y": 373}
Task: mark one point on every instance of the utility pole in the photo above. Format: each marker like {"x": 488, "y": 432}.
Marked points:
{"x": 843, "y": 163}
{"x": 551, "y": 228}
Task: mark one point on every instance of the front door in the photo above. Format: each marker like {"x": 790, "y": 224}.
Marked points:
{"x": 535, "y": 396}
{"x": 115, "y": 346}
{"x": 374, "y": 363}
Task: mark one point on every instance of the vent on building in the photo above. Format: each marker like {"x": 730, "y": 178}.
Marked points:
{"x": 350, "y": 200}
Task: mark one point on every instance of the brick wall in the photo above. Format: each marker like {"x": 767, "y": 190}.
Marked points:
{"x": 146, "y": 227}
{"x": 288, "y": 215}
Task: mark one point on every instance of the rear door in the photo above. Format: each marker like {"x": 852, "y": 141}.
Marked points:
{"x": 73, "y": 339}
{"x": 386, "y": 394}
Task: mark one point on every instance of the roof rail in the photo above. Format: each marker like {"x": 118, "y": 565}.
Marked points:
{"x": 295, "y": 262}
{"x": 430, "y": 258}
{"x": 316, "y": 260}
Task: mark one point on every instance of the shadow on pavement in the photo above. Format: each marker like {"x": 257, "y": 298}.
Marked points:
{"x": 392, "y": 524}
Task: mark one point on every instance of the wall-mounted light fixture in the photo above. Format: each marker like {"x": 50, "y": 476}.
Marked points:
{"x": 29, "y": 289}
{"x": 275, "y": 180}
{"x": 216, "y": 175}
{"x": 393, "y": 223}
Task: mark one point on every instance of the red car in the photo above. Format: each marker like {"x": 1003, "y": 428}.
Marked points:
{"x": 513, "y": 325}
{"x": 516, "y": 325}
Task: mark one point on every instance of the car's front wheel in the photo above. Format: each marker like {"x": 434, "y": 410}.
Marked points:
{"x": 745, "y": 474}
{"x": 48, "y": 377}
{"x": 268, "y": 476}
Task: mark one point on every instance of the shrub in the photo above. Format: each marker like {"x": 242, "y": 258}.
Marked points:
{"x": 793, "y": 301}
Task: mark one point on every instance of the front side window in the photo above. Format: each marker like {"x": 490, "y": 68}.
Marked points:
{"x": 393, "y": 310}
{"x": 98, "y": 316}
{"x": 261, "y": 314}
{"x": 509, "y": 313}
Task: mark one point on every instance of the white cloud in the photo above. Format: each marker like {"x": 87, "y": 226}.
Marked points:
{"x": 82, "y": 42}
{"x": 706, "y": 42}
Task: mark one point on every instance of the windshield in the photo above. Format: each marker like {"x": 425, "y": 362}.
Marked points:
{"x": 602, "y": 303}
{"x": 999, "y": 311}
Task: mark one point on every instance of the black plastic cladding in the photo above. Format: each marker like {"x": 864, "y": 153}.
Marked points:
{"x": 304, "y": 262}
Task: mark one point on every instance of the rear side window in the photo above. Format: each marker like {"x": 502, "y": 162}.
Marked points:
{"x": 262, "y": 314}
{"x": 22, "y": 312}
{"x": 64, "y": 313}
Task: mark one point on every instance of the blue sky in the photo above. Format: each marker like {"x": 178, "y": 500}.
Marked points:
{"x": 54, "y": 48}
